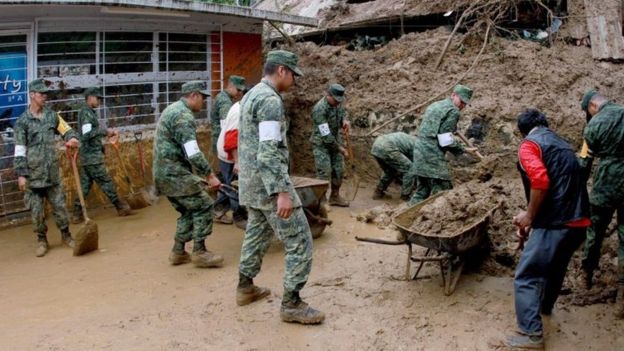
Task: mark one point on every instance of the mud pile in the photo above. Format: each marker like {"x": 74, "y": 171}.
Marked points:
{"x": 385, "y": 82}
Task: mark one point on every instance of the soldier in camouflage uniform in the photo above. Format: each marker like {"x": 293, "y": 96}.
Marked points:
{"x": 604, "y": 135}
{"x": 220, "y": 107}
{"x": 269, "y": 194}
{"x": 328, "y": 118}
{"x": 176, "y": 155}
{"x": 36, "y": 163}
{"x": 92, "y": 168}
{"x": 393, "y": 153}
{"x": 435, "y": 138}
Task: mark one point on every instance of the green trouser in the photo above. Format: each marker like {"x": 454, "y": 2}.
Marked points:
{"x": 601, "y": 217}
{"x": 34, "y": 201}
{"x": 329, "y": 165}
{"x": 97, "y": 173}
{"x": 428, "y": 186}
{"x": 396, "y": 166}
{"x": 294, "y": 233}
{"x": 195, "y": 221}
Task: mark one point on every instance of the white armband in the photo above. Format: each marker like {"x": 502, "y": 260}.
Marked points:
{"x": 20, "y": 151}
{"x": 324, "y": 129}
{"x": 86, "y": 128}
{"x": 445, "y": 139}
{"x": 269, "y": 130}
{"x": 191, "y": 148}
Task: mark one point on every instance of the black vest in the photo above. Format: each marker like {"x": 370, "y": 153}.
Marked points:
{"x": 566, "y": 199}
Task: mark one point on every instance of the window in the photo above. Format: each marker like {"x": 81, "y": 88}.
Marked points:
{"x": 141, "y": 72}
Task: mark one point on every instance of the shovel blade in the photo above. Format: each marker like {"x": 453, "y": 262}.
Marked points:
{"x": 87, "y": 238}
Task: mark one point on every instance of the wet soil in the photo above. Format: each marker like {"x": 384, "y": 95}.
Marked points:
{"x": 126, "y": 297}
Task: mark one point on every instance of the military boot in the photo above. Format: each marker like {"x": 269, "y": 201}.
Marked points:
{"x": 202, "y": 258}
{"x": 77, "y": 216}
{"x": 588, "y": 279}
{"x": 335, "y": 199}
{"x": 42, "y": 246}
{"x": 619, "y": 303}
{"x": 295, "y": 310}
{"x": 123, "y": 209}
{"x": 178, "y": 254}
{"x": 67, "y": 238}
{"x": 247, "y": 292}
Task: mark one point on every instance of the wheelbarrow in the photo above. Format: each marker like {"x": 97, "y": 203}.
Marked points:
{"x": 312, "y": 195}
{"x": 450, "y": 250}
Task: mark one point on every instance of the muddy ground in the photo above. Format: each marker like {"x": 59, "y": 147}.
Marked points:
{"x": 126, "y": 296}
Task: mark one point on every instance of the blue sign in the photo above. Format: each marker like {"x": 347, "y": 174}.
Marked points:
{"x": 13, "y": 87}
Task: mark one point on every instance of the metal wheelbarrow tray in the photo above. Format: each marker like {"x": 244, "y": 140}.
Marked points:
{"x": 451, "y": 249}
{"x": 312, "y": 195}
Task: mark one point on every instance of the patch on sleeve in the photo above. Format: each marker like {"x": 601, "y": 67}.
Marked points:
{"x": 445, "y": 139}
{"x": 269, "y": 130}
{"x": 20, "y": 151}
{"x": 324, "y": 129}
{"x": 191, "y": 148}
{"x": 86, "y": 128}
{"x": 62, "y": 127}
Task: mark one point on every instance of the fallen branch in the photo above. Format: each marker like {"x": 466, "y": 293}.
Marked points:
{"x": 472, "y": 66}
{"x": 286, "y": 36}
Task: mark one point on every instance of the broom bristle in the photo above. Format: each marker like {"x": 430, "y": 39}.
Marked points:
{"x": 87, "y": 238}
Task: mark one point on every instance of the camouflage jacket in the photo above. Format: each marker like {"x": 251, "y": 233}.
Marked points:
{"x": 220, "y": 108}
{"x": 177, "y": 154}
{"x": 263, "y": 149}
{"x": 387, "y": 143}
{"x": 35, "y": 147}
{"x": 91, "y": 148}
{"x": 439, "y": 118}
{"x": 327, "y": 123}
{"x": 604, "y": 135}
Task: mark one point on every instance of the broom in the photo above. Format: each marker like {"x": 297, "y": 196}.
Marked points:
{"x": 87, "y": 237}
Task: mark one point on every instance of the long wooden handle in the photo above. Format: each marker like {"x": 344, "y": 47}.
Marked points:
{"x": 72, "y": 159}
{"x": 469, "y": 144}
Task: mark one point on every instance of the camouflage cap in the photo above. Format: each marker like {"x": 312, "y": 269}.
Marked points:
{"x": 286, "y": 58}
{"x": 337, "y": 91}
{"x": 199, "y": 86}
{"x": 38, "y": 86}
{"x": 589, "y": 95}
{"x": 238, "y": 81}
{"x": 464, "y": 93}
{"x": 93, "y": 91}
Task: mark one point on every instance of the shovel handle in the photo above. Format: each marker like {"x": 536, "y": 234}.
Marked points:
{"x": 465, "y": 140}
{"x": 72, "y": 158}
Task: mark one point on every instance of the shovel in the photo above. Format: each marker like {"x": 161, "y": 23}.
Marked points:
{"x": 87, "y": 237}
{"x": 152, "y": 195}
{"x": 136, "y": 200}
{"x": 354, "y": 179}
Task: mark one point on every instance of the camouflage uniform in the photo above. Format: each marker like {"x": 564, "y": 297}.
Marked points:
{"x": 176, "y": 155}
{"x": 394, "y": 153}
{"x": 220, "y": 107}
{"x": 264, "y": 159}
{"x": 430, "y": 167}
{"x": 92, "y": 158}
{"x": 604, "y": 135}
{"x": 326, "y": 141}
{"x": 35, "y": 159}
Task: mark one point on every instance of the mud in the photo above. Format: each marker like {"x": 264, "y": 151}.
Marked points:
{"x": 125, "y": 296}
